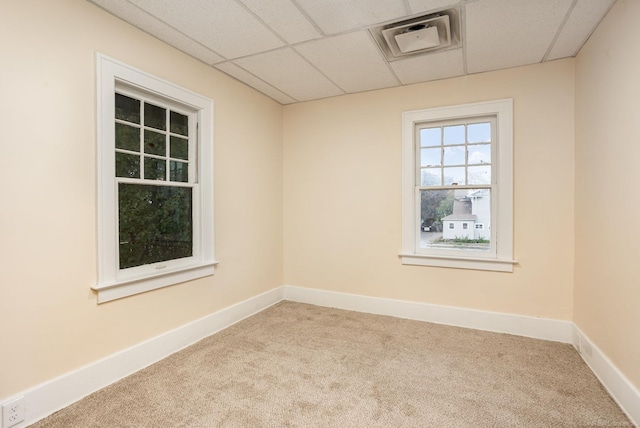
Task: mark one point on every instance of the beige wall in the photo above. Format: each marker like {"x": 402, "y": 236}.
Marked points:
{"x": 329, "y": 171}
{"x": 607, "y": 278}
{"x": 342, "y": 197}
{"x": 50, "y": 323}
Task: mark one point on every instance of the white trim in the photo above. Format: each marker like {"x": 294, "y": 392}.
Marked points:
{"x": 502, "y": 183}
{"x": 51, "y": 396}
{"x": 520, "y": 325}
{"x": 458, "y": 262}
{"x": 112, "y": 74}
{"x": 620, "y": 388}
{"x": 118, "y": 290}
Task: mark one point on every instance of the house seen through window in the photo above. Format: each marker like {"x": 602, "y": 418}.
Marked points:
{"x": 457, "y": 186}
{"x": 454, "y": 160}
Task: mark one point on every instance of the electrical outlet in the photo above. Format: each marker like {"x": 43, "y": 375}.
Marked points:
{"x": 13, "y": 412}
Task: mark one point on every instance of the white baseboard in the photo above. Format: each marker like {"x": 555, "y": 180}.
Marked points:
{"x": 60, "y": 392}
{"x": 520, "y": 325}
{"x": 51, "y": 396}
{"x": 621, "y": 389}
{"x": 623, "y": 392}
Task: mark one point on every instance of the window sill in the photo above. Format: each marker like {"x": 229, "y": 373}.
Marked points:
{"x": 498, "y": 265}
{"x": 129, "y": 287}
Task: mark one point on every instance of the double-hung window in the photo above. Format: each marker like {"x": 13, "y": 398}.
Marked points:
{"x": 155, "y": 182}
{"x": 457, "y": 186}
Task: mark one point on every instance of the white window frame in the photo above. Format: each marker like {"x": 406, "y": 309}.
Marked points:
{"x": 502, "y": 194}
{"x": 114, "y": 283}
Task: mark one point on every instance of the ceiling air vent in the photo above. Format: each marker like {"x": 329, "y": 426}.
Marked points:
{"x": 419, "y": 35}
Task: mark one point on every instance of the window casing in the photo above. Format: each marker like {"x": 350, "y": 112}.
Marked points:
{"x": 155, "y": 183}
{"x": 457, "y": 184}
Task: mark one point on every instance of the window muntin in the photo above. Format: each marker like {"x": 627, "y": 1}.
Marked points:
{"x": 154, "y": 151}
{"x": 454, "y": 183}
{"x": 458, "y": 153}
{"x": 155, "y": 182}
{"x": 152, "y": 142}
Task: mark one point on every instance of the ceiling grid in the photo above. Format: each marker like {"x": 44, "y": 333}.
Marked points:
{"x": 301, "y": 50}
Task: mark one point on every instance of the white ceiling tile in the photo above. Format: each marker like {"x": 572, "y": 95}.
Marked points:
{"x": 222, "y": 25}
{"x": 585, "y": 16}
{"x": 351, "y": 60}
{"x": 509, "y": 33}
{"x": 419, "y": 6}
{"x": 336, "y": 16}
{"x": 247, "y": 38}
{"x": 142, "y": 20}
{"x": 186, "y": 45}
{"x": 434, "y": 66}
{"x": 251, "y": 80}
{"x": 290, "y": 73}
{"x": 285, "y": 19}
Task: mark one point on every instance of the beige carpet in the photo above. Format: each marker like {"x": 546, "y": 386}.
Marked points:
{"x": 296, "y": 365}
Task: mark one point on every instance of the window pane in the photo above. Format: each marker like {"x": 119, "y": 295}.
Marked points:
{"x": 127, "y": 137}
{"x": 127, "y": 109}
{"x": 154, "y": 143}
{"x": 454, "y": 135}
{"x": 434, "y": 205}
{"x": 430, "y": 137}
{"x": 479, "y": 175}
{"x": 454, "y": 155}
{"x": 179, "y": 123}
{"x": 155, "y": 224}
{"x": 479, "y": 133}
{"x": 431, "y": 177}
{"x": 430, "y": 157}
{"x": 444, "y": 214}
{"x": 127, "y": 165}
{"x": 480, "y": 153}
{"x": 155, "y": 117}
{"x": 179, "y": 171}
{"x": 179, "y": 148}
{"x": 155, "y": 169}
{"x": 454, "y": 176}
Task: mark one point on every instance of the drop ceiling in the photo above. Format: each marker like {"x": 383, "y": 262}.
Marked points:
{"x": 302, "y": 50}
